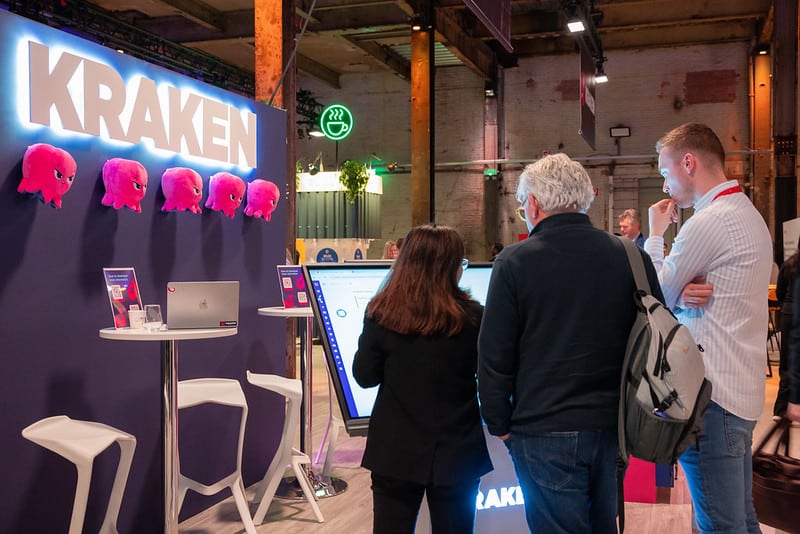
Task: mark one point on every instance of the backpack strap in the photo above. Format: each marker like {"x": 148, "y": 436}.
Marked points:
{"x": 643, "y": 285}
{"x": 637, "y": 264}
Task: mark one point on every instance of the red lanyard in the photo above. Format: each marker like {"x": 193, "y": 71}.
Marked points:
{"x": 729, "y": 191}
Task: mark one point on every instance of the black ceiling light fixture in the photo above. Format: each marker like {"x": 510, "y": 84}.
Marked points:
{"x": 315, "y": 166}
{"x": 575, "y": 20}
{"x": 600, "y": 73}
{"x": 582, "y": 21}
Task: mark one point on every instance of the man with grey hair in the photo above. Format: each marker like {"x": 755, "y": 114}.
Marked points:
{"x": 555, "y": 327}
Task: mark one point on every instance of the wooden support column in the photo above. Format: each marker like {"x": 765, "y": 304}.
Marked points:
{"x": 269, "y": 49}
{"x": 420, "y": 127}
{"x": 274, "y": 43}
{"x": 761, "y": 117}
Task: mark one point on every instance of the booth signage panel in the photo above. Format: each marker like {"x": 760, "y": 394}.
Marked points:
{"x": 78, "y": 88}
{"x": 97, "y": 105}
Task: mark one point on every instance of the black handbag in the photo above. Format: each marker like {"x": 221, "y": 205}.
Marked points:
{"x": 776, "y": 481}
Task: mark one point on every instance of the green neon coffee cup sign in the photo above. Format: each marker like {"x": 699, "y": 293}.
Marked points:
{"x": 336, "y": 122}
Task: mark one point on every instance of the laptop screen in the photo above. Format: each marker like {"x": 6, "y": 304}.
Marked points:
{"x": 339, "y": 294}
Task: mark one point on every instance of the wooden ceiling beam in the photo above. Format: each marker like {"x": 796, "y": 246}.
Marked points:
{"x": 397, "y": 63}
{"x": 318, "y": 71}
{"x": 472, "y": 52}
{"x": 235, "y": 24}
{"x": 198, "y": 12}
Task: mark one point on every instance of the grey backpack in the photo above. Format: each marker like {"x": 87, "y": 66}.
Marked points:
{"x": 663, "y": 394}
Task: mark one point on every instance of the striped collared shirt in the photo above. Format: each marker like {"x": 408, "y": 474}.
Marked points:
{"x": 728, "y": 241}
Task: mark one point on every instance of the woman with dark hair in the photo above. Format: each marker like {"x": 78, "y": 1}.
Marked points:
{"x": 786, "y": 277}
{"x": 419, "y": 344}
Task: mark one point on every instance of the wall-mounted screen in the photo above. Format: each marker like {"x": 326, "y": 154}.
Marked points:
{"x": 339, "y": 295}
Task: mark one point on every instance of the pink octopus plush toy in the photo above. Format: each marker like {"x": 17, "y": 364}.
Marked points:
{"x": 262, "y": 199}
{"x": 183, "y": 189}
{"x": 49, "y": 171}
{"x": 126, "y": 184}
{"x": 225, "y": 193}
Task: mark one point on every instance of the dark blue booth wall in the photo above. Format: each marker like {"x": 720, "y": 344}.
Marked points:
{"x": 53, "y": 302}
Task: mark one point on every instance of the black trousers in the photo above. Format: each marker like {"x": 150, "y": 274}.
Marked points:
{"x": 782, "y": 398}
{"x": 396, "y": 506}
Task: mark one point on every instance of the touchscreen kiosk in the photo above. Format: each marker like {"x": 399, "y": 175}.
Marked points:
{"x": 339, "y": 295}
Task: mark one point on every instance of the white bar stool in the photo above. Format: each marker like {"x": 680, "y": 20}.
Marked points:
{"x": 227, "y": 392}
{"x": 80, "y": 442}
{"x": 286, "y": 455}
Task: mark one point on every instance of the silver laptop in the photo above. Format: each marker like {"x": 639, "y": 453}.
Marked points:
{"x": 202, "y": 305}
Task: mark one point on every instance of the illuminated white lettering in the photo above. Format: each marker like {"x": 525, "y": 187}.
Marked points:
{"x": 242, "y": 136}
{"x": 49, "y": 88}
{"x": 215, "y": 116}
{"x": 100, "y": 80}
{"x": 182, "y": 122}
{"x": 492, "y": 500}
{"x": 146, "y": 117}
{"x": 509, "y": 496}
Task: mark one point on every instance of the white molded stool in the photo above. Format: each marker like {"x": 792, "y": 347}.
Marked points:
{"x": 227, "y": 392}
{"x": 80, "y": 442}
{"x": 286, "y": 455}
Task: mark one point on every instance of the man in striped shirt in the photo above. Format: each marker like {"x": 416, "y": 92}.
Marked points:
{"x": 715, "y": 280}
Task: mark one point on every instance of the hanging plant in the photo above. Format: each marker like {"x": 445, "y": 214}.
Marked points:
{"x": 298, "y": 169}
{"x": 354, "y": 178}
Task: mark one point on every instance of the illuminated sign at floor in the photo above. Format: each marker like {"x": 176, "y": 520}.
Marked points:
{"x": 73, "y": 93}
{"x": 500, "y": 498}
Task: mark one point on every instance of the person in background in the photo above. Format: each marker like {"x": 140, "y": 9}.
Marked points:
{"x": 496, "y": 248}
{"x": 715, "y": 279}
{"x": 630, "y": 224}
{"x": 399, "y": 243}
{"x": 389, "y": 250}
{"x": 784, "y": 292}
{"x": 558, "y": 314}
{"x": 419, "y": 345}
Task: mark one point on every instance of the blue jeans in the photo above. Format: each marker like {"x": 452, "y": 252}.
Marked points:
{"x": 568, "y": 480}
{"x": 719, "y": 471}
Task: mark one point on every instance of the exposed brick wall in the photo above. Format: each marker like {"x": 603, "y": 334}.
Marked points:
{"x": 651, "y": 91}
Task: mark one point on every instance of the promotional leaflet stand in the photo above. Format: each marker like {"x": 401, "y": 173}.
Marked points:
{"x": 324, "y": 485}
{"x": 169, "y": 400}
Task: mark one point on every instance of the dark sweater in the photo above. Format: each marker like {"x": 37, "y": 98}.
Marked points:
{"x": 557, "y": 318}
{"x": 425, "y": 426}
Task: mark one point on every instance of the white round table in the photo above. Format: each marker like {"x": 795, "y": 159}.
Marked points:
{"x": 169, "y": 399}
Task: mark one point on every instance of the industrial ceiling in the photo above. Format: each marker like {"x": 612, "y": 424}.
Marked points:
{"x": 359, "y": 36}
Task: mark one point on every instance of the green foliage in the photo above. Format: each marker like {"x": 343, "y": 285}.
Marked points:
{"x": 298, "y": 168}
{"x": 354, "y": 178}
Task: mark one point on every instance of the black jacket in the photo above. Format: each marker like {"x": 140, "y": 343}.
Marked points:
{"x": 558, "y": 313}
{"x": 425, "y": 426}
